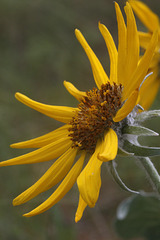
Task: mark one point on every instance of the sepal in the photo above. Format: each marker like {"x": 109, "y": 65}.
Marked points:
{"x": 138, "y": 150}
{"x": 143, "y": 116}
{"x": 138, "y": 131}
{"x": 117, "y": 178}
{"x": 123, "y": 153}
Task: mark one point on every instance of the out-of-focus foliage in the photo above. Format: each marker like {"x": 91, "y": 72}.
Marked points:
{"x": 38, "y": 50}
{"x": 139, "y": 215}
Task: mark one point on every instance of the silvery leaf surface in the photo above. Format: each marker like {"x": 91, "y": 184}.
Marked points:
{"x": 122, "y": 152}
{"x": 138, "y": 150}
{"x": 117, "y": 178}
{"x": 143, "y": 116}
{"x": 139, "y": 216}
{"x": 138, "y": 131}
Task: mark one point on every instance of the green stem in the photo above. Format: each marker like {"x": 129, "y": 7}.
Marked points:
{"x": 151, "y": 172}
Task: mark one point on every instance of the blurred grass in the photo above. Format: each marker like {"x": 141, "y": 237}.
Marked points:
{"x": 38, "y": 50}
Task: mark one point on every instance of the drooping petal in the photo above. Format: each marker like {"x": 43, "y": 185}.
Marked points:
{"x": 61, "y": 114}
{"x": 112, "y": 52}
{"x": 81, "y": 207}
{"x": 46, "y": 153}
{"x": 54, "y": 175}
{"x": 142, "y": 68}
{"x": 132, "y": 56}
{"x": 74, "y": 91}
{"x": 144, "y": 13}
{"x": 110, "y": 146}
{"x": 99, "y": 74}
{"x": 127, "y": 107}
{"x": 61, "y": 191}
{"x": 89, "y": 181}
{"x": 43, "y": 140}
{"x": 122, "y": 45}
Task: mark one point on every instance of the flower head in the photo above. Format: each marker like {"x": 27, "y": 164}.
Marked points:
{"x": 94, "y": 127}
{"x": 151, "y": 21}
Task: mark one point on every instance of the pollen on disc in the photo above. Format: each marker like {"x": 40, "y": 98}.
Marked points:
{"x": 95, "y": 115}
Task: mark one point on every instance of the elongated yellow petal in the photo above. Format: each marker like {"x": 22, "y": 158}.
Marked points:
{"x": 99, "y": 74}
{"x": 149, "y": 90}
{"x": 49, "y": 152}
{"x": 154, "y": 65}
{"x": 144, "y": 39}
{"x": 62, "y": 114}
{"x": 110, "y": 146}
{"x": 81, "y": 207}
{"x": 112, "y": 52}
{"x": 63, "y": 188}
{"x": 142, "y": 67}
{"x": 74, "y": 91}
{"x": 89, "y": 181}
{"x": 132, "y": 56}
{"x": 43, "y": 140}
{"x": 144, "y": 13}
{"x": 54, "y": 175}
{"x": 122, "y": 45}
{"x": 127, "y": 107}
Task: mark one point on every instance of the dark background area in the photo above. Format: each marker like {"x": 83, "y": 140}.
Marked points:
{"x": 38, "y": 51}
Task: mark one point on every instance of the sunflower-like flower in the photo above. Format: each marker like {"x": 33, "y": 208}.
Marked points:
{"x": 94, "y": 127}
{"x": 151, "y": 21}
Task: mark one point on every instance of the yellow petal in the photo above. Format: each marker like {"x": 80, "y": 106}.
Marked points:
{"x": 61, "y": 191}
{"x": 132, "y": 56}
{"x": 149, "y": 90}
{"x": 144, "y": 13}
{"x": 62, "y": 114}
{"x": 54, "y": 175}
{"x": 99, "y": 74}
{"x": 127, "y": 107}
{"x": 81, "y": 207}
{"x": 112, "y": 52}
{"x": 74, "y": 91}
{"x": 110, "y": 146}
{"x": 142, "y": 68}
{"x": 49, "y": 152}
{"x": 43, "y": 140}
{"x": 89, "y": 181}
{"x": 122, "y": 45}
{"x": 154, "y": 65}
{"x": 144, "y": 39}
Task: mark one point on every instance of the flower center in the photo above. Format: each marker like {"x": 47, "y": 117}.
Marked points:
{"x": 95, "y": 115}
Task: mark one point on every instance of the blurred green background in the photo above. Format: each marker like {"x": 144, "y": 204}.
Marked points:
{"x": 38, "y": 50}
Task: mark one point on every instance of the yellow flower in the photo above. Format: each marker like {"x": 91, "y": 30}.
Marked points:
{"x": 151, "y": 21}
{"x": 94, "y": 126}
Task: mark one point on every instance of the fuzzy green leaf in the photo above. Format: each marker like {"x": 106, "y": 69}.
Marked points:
{"x": 138, "y": 131}
{"x": 122, "y": 152}
{"x": 147, "y": 115}
{"x": 139, "y": 216}
{"x": 141, "y": 151}
{"x": 118, "y": 180}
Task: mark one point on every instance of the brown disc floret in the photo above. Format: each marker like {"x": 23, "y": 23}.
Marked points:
{"x": 95, "y": 115}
